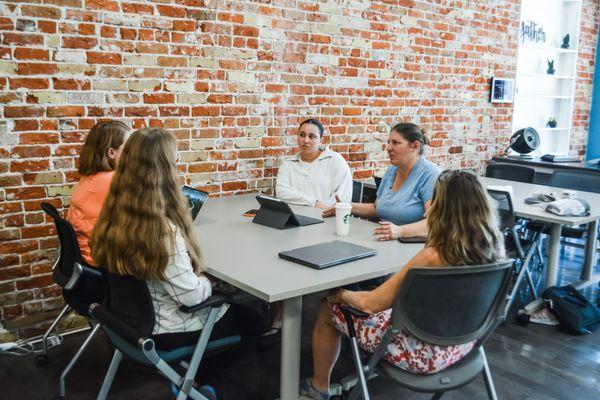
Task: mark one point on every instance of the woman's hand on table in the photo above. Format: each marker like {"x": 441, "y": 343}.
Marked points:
{"x": 330, "y": 211}
{"x": 387, "y": 231}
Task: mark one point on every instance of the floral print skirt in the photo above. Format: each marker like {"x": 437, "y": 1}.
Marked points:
{"x": 404, "y": 351}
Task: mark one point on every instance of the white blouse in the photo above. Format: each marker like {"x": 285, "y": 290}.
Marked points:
{"x": 305, "y": 183}
{"x": 181, "y": 287}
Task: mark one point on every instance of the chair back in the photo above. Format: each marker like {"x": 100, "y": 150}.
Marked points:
{"x": 505, "y": 209}
{"x": 357, "y": 191}
{"x": 69, "y": 247}
{"x": 510, "y": 172}
{"x": 130, "y": 303}
{"x": 377, "y": 180}
{"x": 576, "y": 180}
{"x": 452, "y": 305}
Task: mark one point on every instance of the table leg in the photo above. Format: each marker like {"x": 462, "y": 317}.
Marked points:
{"x": 590, "y": 251}
{"x": 553, "y": 248}
{"x": 289, "y": 373}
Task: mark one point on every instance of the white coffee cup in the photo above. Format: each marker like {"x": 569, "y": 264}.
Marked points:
{"x": 569, "y": 194}
{"x": 342, "y": 218}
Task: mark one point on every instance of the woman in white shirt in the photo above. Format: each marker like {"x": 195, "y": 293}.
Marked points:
{"x": 145, "y": 230}
{"x": 314, "y": 176}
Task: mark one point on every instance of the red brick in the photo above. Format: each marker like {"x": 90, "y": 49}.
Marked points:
{"x": 37, "y": 231}
{"x": 41, "y": 12}
{"x": 22, "y": 39}
{"x": 186, "y": 25}
{"x": 159, "y": 98}
{"x": 170, "y": 11}
{"x": 79, "y": 42}
{"x": 140, "y": 111}
{"x": 35, "y": 282}
{"x": 172, "y": 61}
{"x": 228, "y": 186}
{"x": 10, "y": 180}
{"x": 23, "y": 111}
{"x": 29, "y": 83}
{"x": 36, "y": 69}
{"x": 137, "y": 8}
{"x": 102, "y": 5}
{"x": 220, "y": 98}
{"x": 65, "y": 111}
{"x": 35, "y": 138}
{"x": 28, "y": 53}
{"x": 154, "y": 48}
{"x": 29, "y": 165}
{"x": 70, "y": 84}
{"x": 245, "y": 31}
{"x": 86, "y": 29}
{"x": 94, "y": 57}
{"x": 30, "y": 151}
{"x": 47, "y": 26}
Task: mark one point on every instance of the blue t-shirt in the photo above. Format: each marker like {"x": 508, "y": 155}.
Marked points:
{"x": 407, "y": 205}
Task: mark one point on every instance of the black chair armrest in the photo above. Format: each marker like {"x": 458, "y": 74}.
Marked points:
{"x": 355, "y": 311}
{"x": 93, "y": 272}
{"x": 348, "y": 313}
{"x": 216, "y": 300}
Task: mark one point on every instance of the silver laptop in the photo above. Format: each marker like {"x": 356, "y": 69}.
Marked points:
{"x": 328, "y": 254}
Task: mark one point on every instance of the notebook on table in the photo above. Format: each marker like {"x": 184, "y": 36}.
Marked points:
{"x": 327, "y": 254}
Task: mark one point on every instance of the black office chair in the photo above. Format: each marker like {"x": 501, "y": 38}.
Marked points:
{"x": 377, "y": 180}
{"x": 442, "y": 306}
{"x": 81, "y": 286}
{"x": 510, "y": 172}
{"x": 518, "y": 248}
{"x": 357, "y": 191}
{"x": 128, "y": 321}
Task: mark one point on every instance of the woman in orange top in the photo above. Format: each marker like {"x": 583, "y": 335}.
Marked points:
{"x": 97, "y": 163}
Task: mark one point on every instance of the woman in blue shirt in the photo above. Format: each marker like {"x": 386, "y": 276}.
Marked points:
{"x": 405, "y": 192}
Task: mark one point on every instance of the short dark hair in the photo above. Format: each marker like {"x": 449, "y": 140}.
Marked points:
{"x": 314, "y": 122}
{"x": 103, "y": 136}
{"x": 411, "y": 133}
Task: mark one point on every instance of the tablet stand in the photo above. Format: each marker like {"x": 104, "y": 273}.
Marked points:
{"x": 275, "y": 218}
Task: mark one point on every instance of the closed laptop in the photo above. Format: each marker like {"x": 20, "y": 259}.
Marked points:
{"x": 327, "y": 254}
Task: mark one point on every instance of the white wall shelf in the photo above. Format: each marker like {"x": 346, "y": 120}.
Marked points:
{"x": 548, "y": 76}
{"x": 549, "y": 49}
{"x": 544, "y": 96}
{"x": 540, "y": 96}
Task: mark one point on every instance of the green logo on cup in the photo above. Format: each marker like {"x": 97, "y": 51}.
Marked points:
{"x": 347, "y": 219}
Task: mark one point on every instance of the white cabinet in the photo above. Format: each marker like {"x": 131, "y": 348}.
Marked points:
{"x": 540, "y": 95}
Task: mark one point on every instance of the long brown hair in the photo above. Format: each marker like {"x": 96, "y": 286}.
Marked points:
{"x": 134, "y": 234}
{"x": 463, "y": 226}
{"x": 103, "y": 136}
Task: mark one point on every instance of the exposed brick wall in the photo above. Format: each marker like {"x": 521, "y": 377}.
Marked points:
{"x": 586, "y": 60}
{"x": 232, "y": 79}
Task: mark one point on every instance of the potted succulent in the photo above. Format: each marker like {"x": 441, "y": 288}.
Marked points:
{"x": 550, "y": 70}
{"x": 565, "y": 43}
{"x": 551, "y": 123}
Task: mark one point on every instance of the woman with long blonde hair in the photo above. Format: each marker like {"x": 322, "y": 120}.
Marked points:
{"x": 463, "y": 230}
{"x": 145, "y": 230}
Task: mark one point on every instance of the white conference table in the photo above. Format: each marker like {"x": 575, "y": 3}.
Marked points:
{"x": 244, "y": 254}
{"x": 535, "y": 212}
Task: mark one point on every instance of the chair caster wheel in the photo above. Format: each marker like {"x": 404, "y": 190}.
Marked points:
{"x": 41, "y": 360}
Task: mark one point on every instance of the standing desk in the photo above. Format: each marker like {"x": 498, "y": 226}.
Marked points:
{"x": 536, "y": 213}
{"x": 244, "y": 254}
